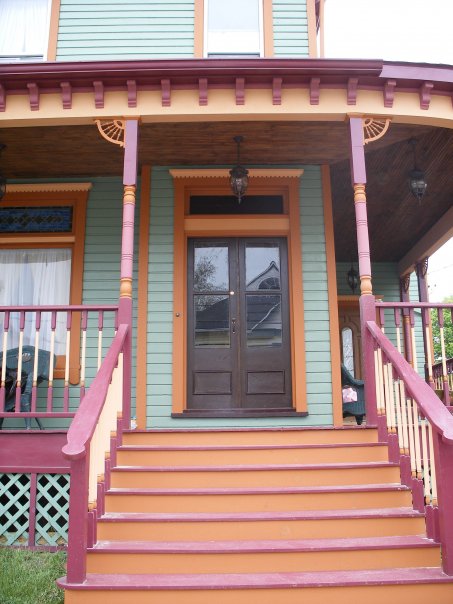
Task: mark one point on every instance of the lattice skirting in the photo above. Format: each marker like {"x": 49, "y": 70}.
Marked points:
{"x": 34, "y": 509}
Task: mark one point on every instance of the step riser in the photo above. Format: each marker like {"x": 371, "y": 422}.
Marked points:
{"x": 252, "y": 530}
{"x": 258, "y": 437}
{"x": 256, "y": 503}
{"x": 253, "y": 456}
{"x": 405, "y": 594}
{"x": 261, "y": 562}
{"x": 252, "y": 478}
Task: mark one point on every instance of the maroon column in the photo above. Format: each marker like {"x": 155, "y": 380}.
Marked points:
{"x": 127, "y": 256}
{"x": 367, "y": 301}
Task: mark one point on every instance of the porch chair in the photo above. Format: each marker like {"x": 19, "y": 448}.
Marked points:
{"x": 357, "y": 408}
{"x": 26, "y": 380}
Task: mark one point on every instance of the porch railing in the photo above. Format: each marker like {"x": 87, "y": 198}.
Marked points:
{"x": 419, "y": 330}
{"x": 420, "y": 437}
{"x": 94, "y": 432}
{"x": 62, "y": 346}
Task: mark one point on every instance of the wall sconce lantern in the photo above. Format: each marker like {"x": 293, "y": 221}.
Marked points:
{"x": 2, "y": 178}
{"x": 417, "y": 182}
{"x": 239, "y": 176}
{"x": 353, "y": 278}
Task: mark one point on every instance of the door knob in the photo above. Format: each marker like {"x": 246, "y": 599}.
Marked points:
{"x": 233, "y": 325}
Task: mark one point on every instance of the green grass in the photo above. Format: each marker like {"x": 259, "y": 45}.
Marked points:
{"x": 28, "y": 577}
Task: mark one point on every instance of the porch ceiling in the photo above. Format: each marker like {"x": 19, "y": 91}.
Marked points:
{"x": 396, "y": 221}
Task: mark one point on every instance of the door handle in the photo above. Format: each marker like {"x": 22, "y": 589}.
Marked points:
{"x": 233, "y": 325}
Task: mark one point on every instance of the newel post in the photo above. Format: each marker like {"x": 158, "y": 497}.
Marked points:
{"x": 127, "y": 256}
{"x": 443, "y": 454}
{"x": 78, "y": 526}
{"x": 367, "y": 301}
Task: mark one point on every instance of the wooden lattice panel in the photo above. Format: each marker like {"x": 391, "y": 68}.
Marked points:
{"x": 47, "y": 526}
{"x": 52, "y": 509}
{"x": 15, "y": 508}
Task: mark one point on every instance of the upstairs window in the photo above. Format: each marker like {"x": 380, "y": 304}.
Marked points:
{"x": 24, "y": 30}
{"x": 234, "y": 28}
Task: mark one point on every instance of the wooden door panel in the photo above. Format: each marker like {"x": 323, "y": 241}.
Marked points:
{"x": 238, "y": 324}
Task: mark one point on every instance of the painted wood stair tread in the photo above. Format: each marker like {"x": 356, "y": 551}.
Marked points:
{"x": 400, "y": 512}
{"x": 260, "y": 468}
{"x": 252, "y": 447}
{"x": 270, "y": 545}
{"x": 398, "y": 576}
{"x": 259, "y": 490}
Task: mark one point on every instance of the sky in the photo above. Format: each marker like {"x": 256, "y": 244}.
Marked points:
{"x": 397, "y": 30}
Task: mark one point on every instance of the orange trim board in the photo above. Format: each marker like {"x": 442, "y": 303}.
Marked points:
{"x": 142, "y": 306}
{"x": 252, "y": 225}
{"x": 335, "y": 354}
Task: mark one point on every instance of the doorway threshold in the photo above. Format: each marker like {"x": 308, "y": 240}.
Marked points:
{"x": 237, "y": 413}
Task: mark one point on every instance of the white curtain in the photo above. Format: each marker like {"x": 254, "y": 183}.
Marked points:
{"x": 35, "y": 277}
{"x": 23, "y": 27}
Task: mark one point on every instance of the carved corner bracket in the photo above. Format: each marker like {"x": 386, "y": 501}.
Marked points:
{"x": 112, "y": 130}
{"x": 374, "y": 128}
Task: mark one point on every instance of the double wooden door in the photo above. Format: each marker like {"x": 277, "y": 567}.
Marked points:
{"x": 239, "y": 353}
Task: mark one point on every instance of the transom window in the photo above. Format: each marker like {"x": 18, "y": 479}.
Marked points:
{"x": 233, "y": 28}
{"x": 24, "y": 30}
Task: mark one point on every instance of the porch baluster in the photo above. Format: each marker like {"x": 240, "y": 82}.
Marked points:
{"x": 53, "y": 326}
{"x": 34, "y": 390}
{"x": 67, "y": 359}
{"x": 440, "y": 317}
{"x": 22, "y": 318}
{"x": 5, "y": 348}
{"x": 100, "y": 328}
{"x": 413, "y": 341}
{"x": 83, "y": 353}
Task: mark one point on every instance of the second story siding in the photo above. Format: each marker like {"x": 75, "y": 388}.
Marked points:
{"x": 124, "y": 29}
{"x": 290, "y": 25}
{"x": 160, "y": 29}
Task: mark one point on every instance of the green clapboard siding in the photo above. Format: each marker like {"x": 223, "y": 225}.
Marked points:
{"x": 386, "y": 284}
{"x": 290, "y": 28}
{"x": 160, "y": 310}
{"x": 125, "y": 29}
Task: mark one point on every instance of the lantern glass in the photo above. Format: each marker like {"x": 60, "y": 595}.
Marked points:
{"x": 417, "y": 184}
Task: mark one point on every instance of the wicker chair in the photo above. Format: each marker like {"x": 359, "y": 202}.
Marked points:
{"x": 357, "y": 408}
{"x": 26, "y": 380}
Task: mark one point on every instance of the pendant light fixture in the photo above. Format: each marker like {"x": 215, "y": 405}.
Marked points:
{"x": 417, "y": 182}
{"x": 239, "y": 176}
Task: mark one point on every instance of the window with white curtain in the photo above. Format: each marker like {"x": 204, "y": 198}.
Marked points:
{"x": 233, "y": 28}
{"x": 24, "y": 29}
{"x": 36, "y": 277}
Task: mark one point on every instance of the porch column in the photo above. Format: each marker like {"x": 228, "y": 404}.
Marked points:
{"x": 421, "y": 269}
{"x": 127, "y": 255}
{"x": 405, "y": 297}
{"x": 367, "y": 301}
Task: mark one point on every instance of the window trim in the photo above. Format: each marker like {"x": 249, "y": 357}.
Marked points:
{"x": 56, "y": 194}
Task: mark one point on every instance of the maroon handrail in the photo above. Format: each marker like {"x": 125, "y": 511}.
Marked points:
{"x": 60, "y": 307}
{"x": 77, "y": 451}
{"x": 84, "y": 423}
{"x": 428, "y": 402}
{"x": 441, "y": 421}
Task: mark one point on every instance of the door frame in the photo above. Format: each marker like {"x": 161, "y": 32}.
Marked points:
{"x": 287, "y": 225}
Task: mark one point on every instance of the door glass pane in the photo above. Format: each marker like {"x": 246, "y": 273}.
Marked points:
{"x": 212, "y": 321}
{"x": 264, "y": 320}
{"x": 210, "y": 271}
{"x": 348, "y": 349}
{"x": 262, "y": 266}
